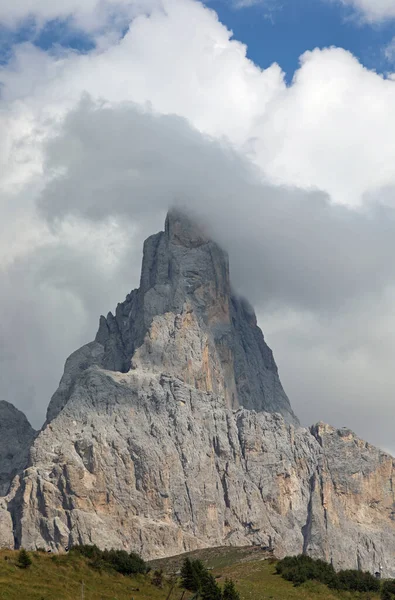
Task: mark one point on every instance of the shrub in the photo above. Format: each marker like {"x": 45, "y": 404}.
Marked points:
{"x": 88, "y": 551}
{"x": 356, "y": 581}
{"x": 24, "y": 560}
{"x": 388, "y": 590}
{"x": 119, "y": 560}
{"x": 122, "y": 562}
{"x": 157, "y": 578}
{"x": 299, "y": 569}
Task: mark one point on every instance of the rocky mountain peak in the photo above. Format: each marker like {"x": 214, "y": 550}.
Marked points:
{"x": 184, "y": 230}
{"x": 184, "y": 320}
{"x": 164, "y": 435}
{"x": 182, "y": 264}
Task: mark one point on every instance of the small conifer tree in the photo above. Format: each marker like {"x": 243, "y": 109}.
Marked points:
{"x": 210, "y": 589}
{"x": 187, "y": 575}
{"x": 193, "y": 573}
{"x": 24, "y": 560}
{"x": 229, "y": 591}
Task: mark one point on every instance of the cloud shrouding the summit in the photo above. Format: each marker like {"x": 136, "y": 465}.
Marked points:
{"x": 296, "y": 182}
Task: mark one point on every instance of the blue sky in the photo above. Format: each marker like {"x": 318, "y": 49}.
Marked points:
{"x": 279, "y": 35}
{"x": 283, "y": 34}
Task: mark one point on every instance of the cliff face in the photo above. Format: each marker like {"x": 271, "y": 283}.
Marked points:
{"x": 171, "y": 431}
{"x": 352, "y": 509}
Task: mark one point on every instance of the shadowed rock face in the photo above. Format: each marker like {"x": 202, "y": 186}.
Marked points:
{"x": 171, "y": 432}
{"x": 16, "y": 437}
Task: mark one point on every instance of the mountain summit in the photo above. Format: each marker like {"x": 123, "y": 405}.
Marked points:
{"x": 184, "y": 321}
{"x": 171, "y": 432}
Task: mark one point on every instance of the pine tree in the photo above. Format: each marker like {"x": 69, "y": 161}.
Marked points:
{"x": 230, "y": 592}
{"x": 193, "y": 573}
{"x": 188, "y": 576}
{"x": 24, "y": 560}
{"x": 210, "y": 588}
{"x": 199, "y": 573}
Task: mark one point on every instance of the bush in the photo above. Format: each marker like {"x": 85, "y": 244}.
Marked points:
{"x": 119, "y": 560}
{"x": 157, "y": 578}
{"x": 122, "y": 562}
{"x": 299, "y": 569}
{"x": 356, "y": 581}
{"x": 388, "y": 590}
{"x": 24, "y": 560}
{"x": 88, "y": 551}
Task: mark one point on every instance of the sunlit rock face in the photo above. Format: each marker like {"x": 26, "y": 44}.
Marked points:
{"x": 171, "y": 431}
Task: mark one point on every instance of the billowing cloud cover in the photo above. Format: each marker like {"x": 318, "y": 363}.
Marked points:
{"x": 296, "y": 182}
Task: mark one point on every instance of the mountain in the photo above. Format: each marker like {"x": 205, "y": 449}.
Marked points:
{"x": 171, "y": 432}
{"x": 184, "y": 321}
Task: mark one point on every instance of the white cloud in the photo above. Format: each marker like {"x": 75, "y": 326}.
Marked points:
{"x": 332, "y": 129}
{"x": 371, "y": 10}
{"x": 89, "y": 15}
{"x": 335, "y": 116}
{"x": 176, "y": 110}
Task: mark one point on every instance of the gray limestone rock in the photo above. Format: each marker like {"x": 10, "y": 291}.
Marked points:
{"x": 352, "y": 511}
{"x": 144, "y": 462}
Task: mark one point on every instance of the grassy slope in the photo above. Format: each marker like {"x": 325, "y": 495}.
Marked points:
{"x": 59, "y": 578}
{"x": 213, "y": 558}
{"x": 258, "y": 581}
